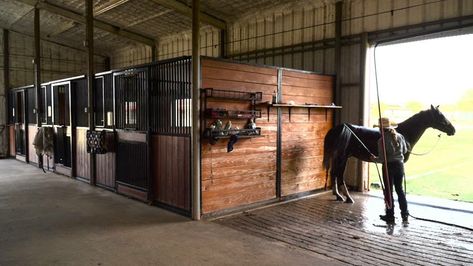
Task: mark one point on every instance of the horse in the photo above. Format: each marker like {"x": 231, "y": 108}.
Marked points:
{"x": 346, "y": 140}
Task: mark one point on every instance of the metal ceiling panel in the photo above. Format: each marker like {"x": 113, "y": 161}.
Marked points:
{"x": 12, "y": 11}
{"x": 144, "y": 17}
{"x": 165, "y": 24}
{"x": 231, "y": 10}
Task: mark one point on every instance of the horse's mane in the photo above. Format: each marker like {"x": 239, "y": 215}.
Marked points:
{"x": 420, "y": 116}
{"x": 413, "y": 127}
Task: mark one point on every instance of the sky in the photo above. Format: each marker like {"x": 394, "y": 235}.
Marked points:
{"x": 436, "y": 71}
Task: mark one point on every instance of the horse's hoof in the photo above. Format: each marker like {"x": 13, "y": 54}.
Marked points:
{"x": 349, "y": 200}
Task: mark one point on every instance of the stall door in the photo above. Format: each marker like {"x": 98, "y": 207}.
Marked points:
{"x": 132, "y": 155}
{"x": 62, "y": 128}
{"x": 170, "y": 139}
{"x": 20, "y": 130}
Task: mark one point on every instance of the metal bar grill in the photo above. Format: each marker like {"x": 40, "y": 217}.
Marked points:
{"x": 131, "y": 93}
{"x": 171, "y": 97}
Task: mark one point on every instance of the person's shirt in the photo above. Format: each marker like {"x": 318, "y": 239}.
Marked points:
{"x": 393, "y": 152}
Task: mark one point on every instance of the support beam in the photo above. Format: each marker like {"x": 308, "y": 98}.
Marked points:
{"x": 196, "y": 199}
{"x": 188, "y": 11}
{"x": 89, "y": 40}
{"x": 223, "y": 43}
{"x": 66, "y": 45}
{"x": 74, "y": 16}
{"x": 37, "y": 74}
{"x": 4, "y": 89}
{"x": 338, "y": 57}
{"x": 154, "y": 53}
{"x": 110, "y": 7}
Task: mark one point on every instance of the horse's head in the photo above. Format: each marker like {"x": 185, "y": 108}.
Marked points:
{"x": 440, "y": 122}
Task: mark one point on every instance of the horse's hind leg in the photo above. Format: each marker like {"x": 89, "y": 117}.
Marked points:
{"x": 335, "y": 190}
{"x": 341, "y": 164}
{"x": 346, "y": 193}
{"x": 335, "y": 173}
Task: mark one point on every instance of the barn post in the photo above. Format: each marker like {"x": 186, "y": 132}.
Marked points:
{"x": 4, "y": 92}
{"x": 196, "y": 204}
{"x": 37, "y": 74}
{"x": 338, "y": 57}
{"x": 362, "y": 167}
{"x": 223, "y": 43}
{"x": 89, "y": 42}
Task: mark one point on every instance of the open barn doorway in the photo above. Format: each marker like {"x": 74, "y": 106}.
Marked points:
{"x": 411, "y": 76}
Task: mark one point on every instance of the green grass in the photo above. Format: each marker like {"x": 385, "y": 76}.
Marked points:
{"x": 446, "y": 171}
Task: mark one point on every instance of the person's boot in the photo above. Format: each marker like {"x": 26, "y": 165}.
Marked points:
{"x": 405, "y": 219}
{"x": 387, "y": 218}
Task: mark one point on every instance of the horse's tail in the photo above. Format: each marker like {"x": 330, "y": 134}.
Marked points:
{"x": 335, "y": 143}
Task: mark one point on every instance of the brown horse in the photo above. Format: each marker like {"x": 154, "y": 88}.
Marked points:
{"x": 341, "y": 142}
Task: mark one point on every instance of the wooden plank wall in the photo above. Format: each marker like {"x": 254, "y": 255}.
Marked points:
{"x": 247, "y": 174}
{"x": 302, "y": 139}
{"x": 170, "y": 166}
{"x": 12, "y": 141}
{"x": 81, "y": 157}
{"x": 105, "y": 163}
{"x": 32, "y": 157}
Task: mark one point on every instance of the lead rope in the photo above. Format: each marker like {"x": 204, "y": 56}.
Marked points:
{"x": 387, "y": 190}
{"x": 366, "y": 148}
{"x": 425, "y": 153}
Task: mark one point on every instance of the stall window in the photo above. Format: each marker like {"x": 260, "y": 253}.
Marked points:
{"x": 80, "y": 102}
{"x": 19, "y": 108}
{"x": 12, "y": 107}
{"x": 99, "y": 102}
{"x": 30, "y": 99}
{"x": 181, "y": 115}
{"x": 108, "y": 100}
{"x": 61, "y": 105}
{"x": 131, "y": 96}
{"x": 43, "y": 105}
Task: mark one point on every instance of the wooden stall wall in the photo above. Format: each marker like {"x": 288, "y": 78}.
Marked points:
{"x": 132, "y": 164}
{"x": 82, "y": 158}
{"x": 32, "y": 157}
{"x": 171, "y": 170}
{"x": 303, "y": 132}
{"x": 105, "y": 164}
{"x": 12, "y": 147}
{"x": 247, "y": 174}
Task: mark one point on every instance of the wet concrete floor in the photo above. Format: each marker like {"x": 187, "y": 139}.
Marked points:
{"x": 354, "y": 235}
{"x": 47, "y": 219}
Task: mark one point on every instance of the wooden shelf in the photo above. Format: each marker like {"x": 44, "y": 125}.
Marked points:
{"x": 306, "y": 106}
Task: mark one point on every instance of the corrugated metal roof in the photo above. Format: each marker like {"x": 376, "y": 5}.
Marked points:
{"x": 143, "y": 17}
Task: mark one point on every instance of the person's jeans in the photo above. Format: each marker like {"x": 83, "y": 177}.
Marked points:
{"x": 396, "y": 174}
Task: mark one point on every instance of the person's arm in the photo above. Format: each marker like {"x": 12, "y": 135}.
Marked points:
{"x": 380, "y": 157}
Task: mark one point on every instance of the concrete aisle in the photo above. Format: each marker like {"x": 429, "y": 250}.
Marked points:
{"x": 48, "y": 219}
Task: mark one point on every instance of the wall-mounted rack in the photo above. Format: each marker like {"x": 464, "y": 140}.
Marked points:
{"x": 308, "y": 106}
{"x": 222, "y": 113}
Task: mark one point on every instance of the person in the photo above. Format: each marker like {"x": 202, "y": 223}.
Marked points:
{"x": 395, "y": 149}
